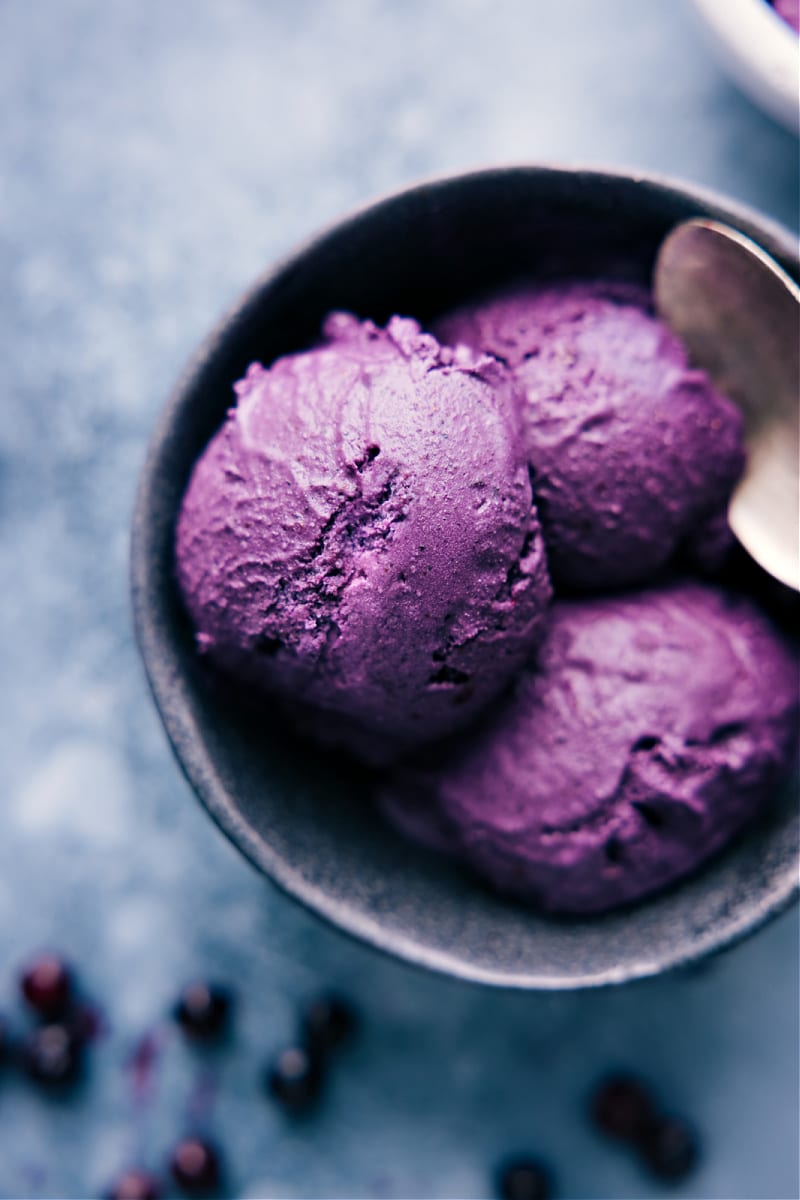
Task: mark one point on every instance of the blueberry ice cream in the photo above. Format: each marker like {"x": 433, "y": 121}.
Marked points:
{"x": 634, "y": 453}
{"x": 360, "y": 543}
{"x": 360, "y": 540}
{"x": 651, "y": 729}
{"x": 789, "y": 10}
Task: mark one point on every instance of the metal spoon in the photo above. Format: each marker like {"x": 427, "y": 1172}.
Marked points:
{"x": 739, "y": 315}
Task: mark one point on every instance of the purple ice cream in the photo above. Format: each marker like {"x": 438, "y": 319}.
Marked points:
{"x": 359, "y": 539}
{"x": 789, "y": 10}
{"x": 655, "y": 726}
{"x": 634, "y": 453}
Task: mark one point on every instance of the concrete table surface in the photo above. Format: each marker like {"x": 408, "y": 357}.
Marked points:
{"x": 154, "y": 157}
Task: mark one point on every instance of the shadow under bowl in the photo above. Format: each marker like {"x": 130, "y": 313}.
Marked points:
{"x": 303, "y": 817}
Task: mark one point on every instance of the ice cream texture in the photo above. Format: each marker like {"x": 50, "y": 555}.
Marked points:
{"x": 652, "y": 728}
{"x": 634, "y": 453}
{"x": 361, "y": 543}
{"x": 360, "y": 540}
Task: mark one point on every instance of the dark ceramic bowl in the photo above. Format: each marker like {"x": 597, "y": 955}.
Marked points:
{"x": 303, "y": 818}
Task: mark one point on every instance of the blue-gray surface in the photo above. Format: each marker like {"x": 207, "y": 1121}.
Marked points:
{"x": 154, "y": 157}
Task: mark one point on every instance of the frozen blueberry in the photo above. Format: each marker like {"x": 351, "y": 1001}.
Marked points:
{"x": 4, "y": 1039}
{"x": 203, "y": 1010}
{"x": 294, "y": 1079}
{"x": 195, "y": 1166}
{"x": 135, "y": 1185}
{"x": 670, "y": 1149}
{"x": 524, "y": 1179}
{"x": 622, "y": 1107}
{"x": 46, "y": 984}
{"x": 328, "y": 1022}
{"x": 53, "y": 1056}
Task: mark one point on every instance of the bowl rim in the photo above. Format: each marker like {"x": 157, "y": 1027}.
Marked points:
{"x": 760, "y": 50}
{"x": 170, "y": 689}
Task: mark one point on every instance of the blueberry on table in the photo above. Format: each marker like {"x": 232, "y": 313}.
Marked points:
{"x": 195, "y": 1166}
{"x": 622, "y": 1107}
{"x": 203, "y": 1010}
{"x": 46, "y": 985}
{"x": 670, "y": 1149}
{"x": 135, "y": 1185}
{"x": 53, "y": 1056}
{"x": 294, "y": 1079}
{"x": 524, "y": 1179}
{"x": 329, "y": 1022}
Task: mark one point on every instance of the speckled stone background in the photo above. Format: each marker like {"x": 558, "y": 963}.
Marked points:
{"x": 155, "y": 155}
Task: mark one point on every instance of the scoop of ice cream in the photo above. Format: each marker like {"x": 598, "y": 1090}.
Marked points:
{"x": 360, "y": 538}
{"x": 635, "y": 454}
{"x": 654, "y": 726}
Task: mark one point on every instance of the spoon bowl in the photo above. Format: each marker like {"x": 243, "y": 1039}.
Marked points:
{"x": 739, "y": 314}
